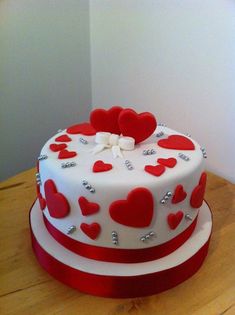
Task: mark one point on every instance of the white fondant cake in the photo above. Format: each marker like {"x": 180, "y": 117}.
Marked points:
{"x": 103, "y": 225}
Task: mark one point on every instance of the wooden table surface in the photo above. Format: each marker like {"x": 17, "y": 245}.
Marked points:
{"x": 25, "y": 288}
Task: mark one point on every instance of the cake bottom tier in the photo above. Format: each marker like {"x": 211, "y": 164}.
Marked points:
{"x": 120, "y": 280}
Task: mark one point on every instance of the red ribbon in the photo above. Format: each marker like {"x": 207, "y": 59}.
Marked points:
{"x": 117, "y": 254}
{"x": 120, "y": 286}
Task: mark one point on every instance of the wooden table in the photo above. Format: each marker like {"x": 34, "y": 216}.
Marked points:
{"x": 25, "y": 288}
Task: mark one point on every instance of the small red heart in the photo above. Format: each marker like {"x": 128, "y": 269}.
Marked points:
{"x": 179, "y": 194}
{"x": 136, "y": 210}
{"x": 197, "y": 195}
{"x": 42, "y": 201}
{"x": 57, "y": 204}
{"x": 100, "y": 166}
{"x": 174, "y": 219}
{"x": 57, "y": 147}
{"x": 65, "y": 154}
{"x": 87, "y": 207}
{"x": 106, "y": 120}
{"x": 176, "y": 142}
{"x": 83, "y": 129}
{"x": 156, "y": 170}
{"x": 170, "y": 162}
{"x": 138, "y": 126}
{"x": 91, "y": 230}
{"x": 63, "y": 138}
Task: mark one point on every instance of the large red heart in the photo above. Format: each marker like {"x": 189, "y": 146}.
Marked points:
{"x": 170, "y": 162}
{"x": 179, "y": 194}
{"x": 138, "y": 126}
{"x": 156, "y": 170}
{"x": 91, "y": 230}
{"x": 106, "y": 120}
{"x": 65, "y": 154}
{"x": 87, "y": 207}
{"x": 100, "y": 166}
{"x": 174, "y": 219}
{"x": 176, "y": 142}
{"x": 136, "y": 210}
{"x": 63, "y": 138}
{"x": 197, "y": 195}
{"x": 85, "y": 129}
{"x": 57, "y": 204}
{"x": 57, "y": 147}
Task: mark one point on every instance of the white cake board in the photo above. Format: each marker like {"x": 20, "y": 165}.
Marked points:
{"x": 121, "y": 279}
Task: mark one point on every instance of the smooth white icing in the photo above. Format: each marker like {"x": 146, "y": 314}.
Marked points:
{"x": 117, "y": 183}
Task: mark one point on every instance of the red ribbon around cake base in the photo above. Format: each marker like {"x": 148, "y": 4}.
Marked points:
{"x": 118, "y": 286}
{"x": 117, "y": 254}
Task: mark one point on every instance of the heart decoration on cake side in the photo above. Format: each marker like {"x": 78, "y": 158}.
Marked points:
{"x": 155, "y": 170}
{"x": 85, "y": 129}
{"x": 179, "y": 194}
{"x": 106, "y": 120}
{"x": 57, "y": 204}
{"x": 170, "y": 162}
{"x": 138, "y": 126}
{"x": 100, "y": 166}
{"x": 198, "y": 192}
{"x": 87, "y": 207}
{"x": 174, "y": 219}
{"x": 58, "y": 147}
{"x": 176, "y": 142}
{"x": 136, "y": 211}
{"x": 63, "y": 138}
{"x": 42, "y": 201}
{"x": 91, "y": 230}
{"x": 65, "y": 154}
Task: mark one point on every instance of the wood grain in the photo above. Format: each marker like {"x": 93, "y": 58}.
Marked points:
{"x": 25, "y": 288}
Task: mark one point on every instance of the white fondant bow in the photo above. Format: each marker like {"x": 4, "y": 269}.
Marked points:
{"x": 115, "y": 142}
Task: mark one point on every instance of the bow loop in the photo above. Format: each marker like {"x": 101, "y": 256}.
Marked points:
{"x": 117, "y": 143}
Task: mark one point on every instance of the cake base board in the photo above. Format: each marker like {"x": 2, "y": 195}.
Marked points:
{"x": 120, "y": 280}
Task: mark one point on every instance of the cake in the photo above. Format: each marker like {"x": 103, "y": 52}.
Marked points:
{"x": 120, "y": 201}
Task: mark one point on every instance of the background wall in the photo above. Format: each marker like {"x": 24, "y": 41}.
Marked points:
{"x": 44, "y": 75}
{"x": 174, "y": 58}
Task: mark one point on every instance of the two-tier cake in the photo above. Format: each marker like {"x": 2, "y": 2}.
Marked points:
{"x": 119, "y": 209}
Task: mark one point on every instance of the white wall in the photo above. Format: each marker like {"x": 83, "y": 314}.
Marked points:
{"x": 44, "y": 75}
{"x": 174, "y": 58}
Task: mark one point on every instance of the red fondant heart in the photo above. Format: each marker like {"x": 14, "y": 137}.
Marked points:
{"x": 174, "y": 219}
{"x": 170, "y": 162}
{"x": 136, "y": 210}
{"x": 83, "y": 129}
{"x": 179, "y": 194}
{"x": 87, "y": 207}
{"x": 100, "y": 166}
{"x": 139, "y": 126}
{"x": 91, "y": 230}
{"x": 65, "y": 154}
{"x": 156, "y": 170}
{"x": 197, "y": 195}
{"x": 63, "y": 138}
{"x": 176, "y": 142}
{"x": 42, "y": 201}
{"x": 106, "y": 120}
{"x": 57, "y": 147}
{"x": 57, "y": 204}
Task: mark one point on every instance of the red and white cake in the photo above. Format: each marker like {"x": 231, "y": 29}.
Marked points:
{"x": 120, "y": 210}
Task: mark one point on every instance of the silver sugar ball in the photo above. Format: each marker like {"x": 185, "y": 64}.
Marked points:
{"x": 166, "y": 197}
{"x": 169, "y": 193}
{"x": 92, "y": 190}
{"x": 147, "y": 236}
{"x": 151, "y": 233}
{"x": 162, "y": 201}
{"x": 84, "y": 182}
{"x": 143, "y": 239}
